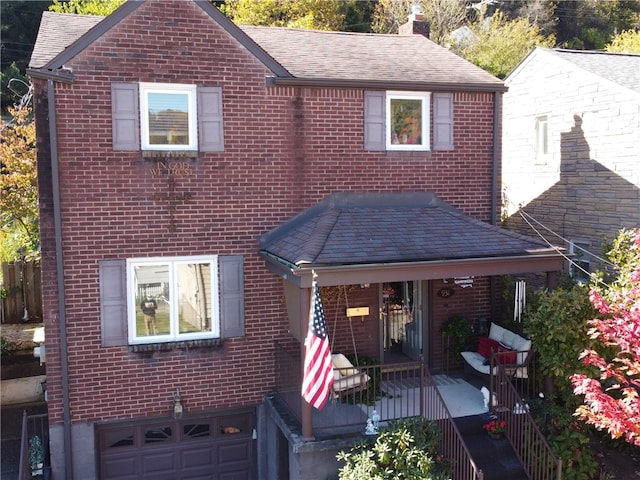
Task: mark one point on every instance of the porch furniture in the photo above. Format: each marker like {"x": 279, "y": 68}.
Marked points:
{"x": 509, "y": 349}
{"x": 346, "y": 378}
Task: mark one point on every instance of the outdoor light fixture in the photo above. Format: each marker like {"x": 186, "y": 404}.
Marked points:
{"x": 177, "y": 405}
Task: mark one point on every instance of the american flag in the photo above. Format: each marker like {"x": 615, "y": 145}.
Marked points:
{"x": 318, "y": 369}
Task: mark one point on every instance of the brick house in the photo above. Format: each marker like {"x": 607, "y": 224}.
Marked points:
{"x": 195, "y": 175}
{"x": 572, "y": 148}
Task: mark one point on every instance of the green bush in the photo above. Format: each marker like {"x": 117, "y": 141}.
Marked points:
{"x": 406, "y": 449}
{"x": 6, "y": 347}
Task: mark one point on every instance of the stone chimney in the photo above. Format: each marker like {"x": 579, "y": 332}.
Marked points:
{"x": 416, "y": 23}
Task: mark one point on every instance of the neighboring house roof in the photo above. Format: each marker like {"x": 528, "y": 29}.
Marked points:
{"x": 321, "y": 56}
{"x": 363, "y": 228}
{"x": 620, "y": 68}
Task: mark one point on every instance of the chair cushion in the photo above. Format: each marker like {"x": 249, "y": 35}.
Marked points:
{"x": 485, "y": 345}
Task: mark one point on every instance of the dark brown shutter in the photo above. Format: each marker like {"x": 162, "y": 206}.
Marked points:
{"x": 125, "y": 116}
{"x": 375, "y": 133}
{"x": 113, "y": 302}
{"x": 443, "y": 121}
{"x": 210, "y": 128}
{"x": 231, "y": 296}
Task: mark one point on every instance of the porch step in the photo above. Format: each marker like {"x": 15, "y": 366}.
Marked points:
{"x": 496, "y": 458}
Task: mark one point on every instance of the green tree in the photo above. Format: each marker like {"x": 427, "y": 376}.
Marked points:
{"x": 559, "y": 331}
{"x": 443, "y": 16}
{"x": 18, "y": 30}
{"x": 499, "y": 45}
{"x": 86, "y": 7}
{"x": 309, "y": 14}
{"x": 18, "y": 186}
{"x": 627, "y": 41}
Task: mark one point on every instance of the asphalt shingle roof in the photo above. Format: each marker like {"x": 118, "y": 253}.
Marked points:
{"x": 620, "y": 68}
{"x": 58, "y": 31}
{"x": 349, "y": 229}
{"x": 312, "y": 54}
{"x": 362, "y": 56}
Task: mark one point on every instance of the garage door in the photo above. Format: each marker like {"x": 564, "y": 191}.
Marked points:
{"x": 206, "y": 447}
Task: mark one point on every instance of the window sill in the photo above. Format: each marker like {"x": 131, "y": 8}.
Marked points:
{"x": 156, "y": 155}
{"x": 183, "y": 345}
{"x": 409, "y": 154}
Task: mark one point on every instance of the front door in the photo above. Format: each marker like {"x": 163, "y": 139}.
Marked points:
{"x": 403, "y": 318}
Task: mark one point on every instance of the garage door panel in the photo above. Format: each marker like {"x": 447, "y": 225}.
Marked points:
{"x": 238, "y": 451}
{"x": 159, "y": 462}
{"x": 235, "y": 475}
{"x": 197, "y": 456}
{"x": 121, "y": 467}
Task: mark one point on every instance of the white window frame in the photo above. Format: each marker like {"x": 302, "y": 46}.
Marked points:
{"x": 169, "y": 88}
{"x": 425, "y": 98}
{"x": 174, "y": 335}
{"x": 542, "y": 139}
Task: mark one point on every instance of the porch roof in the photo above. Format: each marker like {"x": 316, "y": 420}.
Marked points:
{"x": 374, "y": 237}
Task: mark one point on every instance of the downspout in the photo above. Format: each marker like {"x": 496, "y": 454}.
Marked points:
{"x": 62, "y": 313}
{"x": 497, "y": 130}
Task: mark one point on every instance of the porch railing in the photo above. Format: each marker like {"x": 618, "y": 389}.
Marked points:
{"x": 528, "y": 442}
{"x": 394, "y": 391}
{"x": 34, "y": 426}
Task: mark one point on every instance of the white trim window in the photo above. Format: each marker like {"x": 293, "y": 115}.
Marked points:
{"x": 407, "y": 120}
{"x": 168, "y": 116}
{"x": 542, "y": 140}
{"x": 172, "y": 299}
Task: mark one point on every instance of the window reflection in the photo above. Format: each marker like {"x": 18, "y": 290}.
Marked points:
{"x": 152, "y": 300}
{"x": 194, "y": 297}
{"x": 168, "y": 118}
{"x": 406, "y": 121}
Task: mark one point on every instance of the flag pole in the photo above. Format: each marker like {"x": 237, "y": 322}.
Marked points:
{"x": 307, "y": 409}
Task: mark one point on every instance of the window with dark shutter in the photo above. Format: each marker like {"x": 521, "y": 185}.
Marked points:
{"x": 113, "y": 302}
{"x": 374, "y": 121}
{"x": 125, "y": 116}
{"x": 443, "y": 121}
{"x": 231, "y": 296}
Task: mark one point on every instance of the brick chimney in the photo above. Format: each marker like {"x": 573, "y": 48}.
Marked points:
{"x": 416, "y": 24}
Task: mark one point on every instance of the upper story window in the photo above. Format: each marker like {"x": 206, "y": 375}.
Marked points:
{"x": 542, "y": 139}
{"x": 168, "y": 116}
{"x": 172, "y": 299}
{"x": 407, "y": 121}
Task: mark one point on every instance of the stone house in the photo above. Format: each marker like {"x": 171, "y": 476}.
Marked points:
{"x": 571, "y": 143}
{"x": 194, "y": 176}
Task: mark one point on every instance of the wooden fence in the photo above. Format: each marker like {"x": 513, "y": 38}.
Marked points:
{"x": 21, "y": 292}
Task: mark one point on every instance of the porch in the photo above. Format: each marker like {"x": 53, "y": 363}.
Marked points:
{"x": 403, "y": 390}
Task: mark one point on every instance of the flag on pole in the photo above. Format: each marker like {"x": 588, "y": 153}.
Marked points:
{"x": 318, "y": 369}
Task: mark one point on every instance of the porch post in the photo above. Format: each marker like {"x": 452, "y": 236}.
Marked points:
{"x": 552, "y": 280}
{"x": 307, "y": 409}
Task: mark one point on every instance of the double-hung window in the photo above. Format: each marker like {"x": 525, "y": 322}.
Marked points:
{"x": 407, "y": 121}
{"x": 168, "y": 114}
{"x": 172, "y": 299}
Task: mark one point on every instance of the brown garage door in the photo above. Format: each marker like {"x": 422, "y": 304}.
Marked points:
{"x": 202, "y": 447}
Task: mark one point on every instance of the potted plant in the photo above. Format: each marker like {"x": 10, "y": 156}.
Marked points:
{"x": 458, "y": 329}
{"x": 36, "y": 455}
{"x": 495, "y": 428}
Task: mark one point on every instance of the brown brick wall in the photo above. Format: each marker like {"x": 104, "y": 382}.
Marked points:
{"x": 285, "y": 149}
